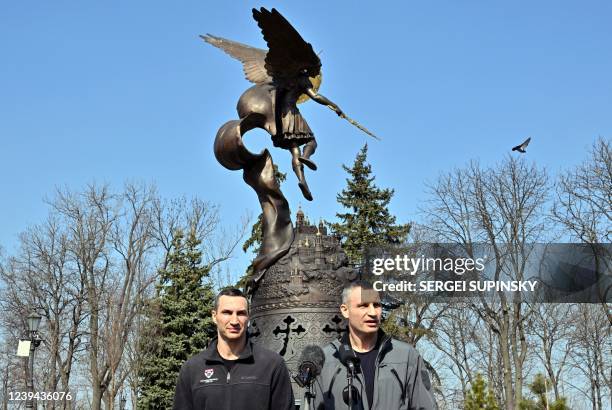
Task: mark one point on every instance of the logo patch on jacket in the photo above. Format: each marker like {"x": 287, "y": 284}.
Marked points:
{"x": 248, "y": 378}
{"x": 209, "y": 372}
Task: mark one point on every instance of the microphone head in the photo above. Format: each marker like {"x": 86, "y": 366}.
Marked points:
{"x": 313, "y": 358}
{"x": 347, "y": 356}
{"x": 310, "y": 364}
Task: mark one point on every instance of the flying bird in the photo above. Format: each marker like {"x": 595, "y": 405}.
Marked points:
{"x": 521, "y": 148}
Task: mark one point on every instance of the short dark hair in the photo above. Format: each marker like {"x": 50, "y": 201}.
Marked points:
{"x": 360, "y": 283}
{"x": 229, "y": 292}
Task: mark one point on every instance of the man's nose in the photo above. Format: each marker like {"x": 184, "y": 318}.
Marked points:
{"x": 371, "y": 310}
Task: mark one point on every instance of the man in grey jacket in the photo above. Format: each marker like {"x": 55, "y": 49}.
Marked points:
{"x": 389, "y": 374}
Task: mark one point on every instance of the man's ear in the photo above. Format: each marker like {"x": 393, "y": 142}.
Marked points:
{"x": 214, "y": 316}
{"x": 344, "y": 310}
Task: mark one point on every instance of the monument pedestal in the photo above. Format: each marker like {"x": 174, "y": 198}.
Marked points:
{"x": 297, "y": 301}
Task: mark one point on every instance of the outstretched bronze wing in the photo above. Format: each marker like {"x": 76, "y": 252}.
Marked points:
{"x": 288, "y": 53}
{"x": 252, "y": 59}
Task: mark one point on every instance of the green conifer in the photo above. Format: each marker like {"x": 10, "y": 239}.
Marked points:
{"x": 368, "y": 221}
{"x": 480, "y": 397}
{"x": 540, "y": 388}
{"x": 179, "y": 322}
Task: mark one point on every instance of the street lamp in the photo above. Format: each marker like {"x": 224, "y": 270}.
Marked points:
{"x": 33, "y": 323}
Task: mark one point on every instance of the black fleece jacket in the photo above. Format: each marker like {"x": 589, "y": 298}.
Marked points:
{"x": 259, "y": 380}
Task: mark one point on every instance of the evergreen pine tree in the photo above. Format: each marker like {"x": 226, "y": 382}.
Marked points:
{"x": 368, "y": 221}
{"x": 540, "y": 388}
{"x": 179, "y": 322}
{"x": 479, "y": 397}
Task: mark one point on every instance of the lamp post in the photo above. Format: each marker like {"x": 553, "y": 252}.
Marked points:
{"x": 33, "y": 323}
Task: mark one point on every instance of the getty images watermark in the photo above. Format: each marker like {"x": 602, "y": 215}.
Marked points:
{"x": 404, "y": 264}
{"x": 533, "y": 272}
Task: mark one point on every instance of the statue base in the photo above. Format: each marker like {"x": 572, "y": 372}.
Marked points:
{"x": 297, "y": 301}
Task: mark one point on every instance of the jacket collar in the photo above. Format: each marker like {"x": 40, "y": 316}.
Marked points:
{"x": 212, "y": 354}
{"x": 383, "y": 341}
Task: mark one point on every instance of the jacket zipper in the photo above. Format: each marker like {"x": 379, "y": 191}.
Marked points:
{"x": 377, "y": 366}
{"x": 228, "y": 391}
{"x": 402, "y": 387}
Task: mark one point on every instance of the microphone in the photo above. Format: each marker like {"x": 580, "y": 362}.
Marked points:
{"x": 311, "y": 362}
{"x": 351, "y": 361}
{"x": 348, "y": 358}
{"x": 346, "y": 397}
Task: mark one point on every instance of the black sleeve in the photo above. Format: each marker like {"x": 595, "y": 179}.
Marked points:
{"x": 182, "y": 393}
{"x": 281, "y": 394}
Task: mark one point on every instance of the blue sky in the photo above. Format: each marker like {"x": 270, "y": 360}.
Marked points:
{"x": 115, "y": 91}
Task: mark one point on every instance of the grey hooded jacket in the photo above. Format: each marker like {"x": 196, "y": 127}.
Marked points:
{"x": 401, "y": 380}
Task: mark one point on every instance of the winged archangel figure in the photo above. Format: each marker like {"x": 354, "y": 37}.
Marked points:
{"x": 288, "y": 73}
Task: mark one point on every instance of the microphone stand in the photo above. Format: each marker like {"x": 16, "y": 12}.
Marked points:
{"x": 349, "y": 379}
{"x": 308, "y": 395}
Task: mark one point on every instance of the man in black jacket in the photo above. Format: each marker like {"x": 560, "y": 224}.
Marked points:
{"x": 233, "y": 373}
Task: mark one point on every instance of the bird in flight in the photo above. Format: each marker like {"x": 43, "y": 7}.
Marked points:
{"x": 521, "y": 148}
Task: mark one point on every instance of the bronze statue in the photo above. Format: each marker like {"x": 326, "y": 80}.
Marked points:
{"x": 285, "y": 75}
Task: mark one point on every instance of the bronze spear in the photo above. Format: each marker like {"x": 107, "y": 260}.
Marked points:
{"x": 356, "y": 124}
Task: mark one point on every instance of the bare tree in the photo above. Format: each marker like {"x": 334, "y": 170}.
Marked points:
{"x": 42, "y": 278}
{"x": 89, "y": 271}
{"x": 453, "y": 338}
{"x": 416, "y": 318}
{"x": 131, "y": 241}
{"x": 503, "y": 207}
{"x": 592, "y": 345}
{"x": 584, "y": 196}
{"x": 11, "y": 372}
{"x": 119, "y": 240}
{"x": 169, "y": 216}
{"x": 90, "y": 216}
{"x": 552, "y": 328}
{"x": 584, "y": 207}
